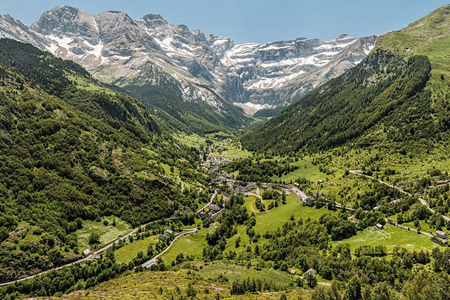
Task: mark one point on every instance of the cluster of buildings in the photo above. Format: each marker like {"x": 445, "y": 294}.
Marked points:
{"x": 166, "y": 234}
{"x": 245, "y": 189}
{"x": 441, "y": 234}
{"x": 233, "y": 184}
{"x": 217, "y": 160}
{"x": 211, "y": 210}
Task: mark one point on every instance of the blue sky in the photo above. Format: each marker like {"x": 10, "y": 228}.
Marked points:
{"x": 254, "y": 20}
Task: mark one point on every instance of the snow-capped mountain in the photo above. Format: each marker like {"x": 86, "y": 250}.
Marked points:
{"x": 266, "y": 70}
{"x": 200, "y": 67}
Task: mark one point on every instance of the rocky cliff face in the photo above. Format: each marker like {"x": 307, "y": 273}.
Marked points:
{"x": 204, "y": 67}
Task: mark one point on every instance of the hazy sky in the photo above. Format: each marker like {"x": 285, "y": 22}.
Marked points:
{"x": 254, "y": 20}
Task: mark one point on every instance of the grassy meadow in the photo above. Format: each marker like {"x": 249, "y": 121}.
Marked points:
{"x": 188, "y": 245}
{"x": 107, "y": 233}
{"x": 275, "y": 218}
{"x": 130, "y": 251}
{"x": 165, "y": 285}
{"x": 390, "y": 237}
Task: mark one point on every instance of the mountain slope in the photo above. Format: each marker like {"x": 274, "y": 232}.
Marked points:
{"x": 73, "y": 150}
{"x": 397, "y": 95}
{"x": 120, "y": 51}
{"x": 209, "y": 77}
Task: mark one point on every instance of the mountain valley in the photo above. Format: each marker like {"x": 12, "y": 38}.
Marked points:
{"x": 145, "y": 160}
{"x": 182, "y": 71}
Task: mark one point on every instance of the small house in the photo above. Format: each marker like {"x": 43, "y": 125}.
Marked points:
{"x": 310, "y": 273}
{"x": 214, "y": 207}
{"x": 380, "y": 226}
{"x": 292, "y": 271}
{"x": 440, "y": 234}
{"x": 86, "y": 252}
{"x": 168, "y": 231}
{"x": 219, "y": 179}
{"x": 309, "y": 201}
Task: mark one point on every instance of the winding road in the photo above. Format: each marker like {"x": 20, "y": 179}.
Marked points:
{"x": 299, "y": 194}
{"x": 421, "y": 200}
{"x": 97, "y": 252}
{"x": 152, "y": 261}
{"x": 302, "y": 197}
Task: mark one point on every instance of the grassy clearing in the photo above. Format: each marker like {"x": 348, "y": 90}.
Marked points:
{"x": 225, "y": 144}
{"x": 232, "y": 152}
{"x": 305, "y": 170}
{"x": 233, "y": 272}
{"x": 188, "y": 245}
{"x": 107, "y": 233}
{"x": 163, "y": 285}
{"x": 150, "y": 153}
{"x": 168, "y": 172}
{"x": 230, "y": 149}
{"x": 23, "y": 235}
{"x": 130, "y": 251}
{"x": 193, "y": 140}
{"x": 87, "y": 85}
{"x": 424, "y": 227}
{"x": 272, "y": 219}
{"x": 390, "y": 237}
{"x": 245, "y": 240}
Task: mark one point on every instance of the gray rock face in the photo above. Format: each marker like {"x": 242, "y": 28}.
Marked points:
{"x": 67, "y": 21}
{"x": 117, "y": 49}
{"x": 14, "y": 29}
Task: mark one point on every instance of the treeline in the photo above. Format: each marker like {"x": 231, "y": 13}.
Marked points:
{"x": 76, "y": 277}
{"x": 235, "y": 213}
{"x": 306, "y": 244}
{"x": 77, "y": 155}
{"x": 258, "y": 170}
{"x": 348, "y": 107}
{"x": 368, "y": 250}
{"x": 423, "y": 285}
{"x": 252, "y": 285}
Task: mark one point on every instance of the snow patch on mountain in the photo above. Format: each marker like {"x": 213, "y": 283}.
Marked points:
{"x": 205, "y": 67}
{"x": 251, "y": 108}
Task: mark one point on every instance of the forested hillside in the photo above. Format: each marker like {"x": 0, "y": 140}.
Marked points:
{"x": 72, "y": 150}
{"x": 398, "y": 95}
{"x": 167, "y": 104}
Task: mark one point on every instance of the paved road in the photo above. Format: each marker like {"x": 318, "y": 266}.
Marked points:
{"x": 408, "y": 228}
{"x": 302, "y": 197}
{"x": 89, "y": 257}
{"x": 421, "y": 200}
{"x": 299, "y": 193}
{"x": 101, "y": 250}
{"x": 152, "y": 261}
{"x": 207, "y": 204}
{"x": 319, "y": 282}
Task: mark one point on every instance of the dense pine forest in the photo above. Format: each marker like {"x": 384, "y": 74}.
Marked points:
{"x": 70, "y": 153}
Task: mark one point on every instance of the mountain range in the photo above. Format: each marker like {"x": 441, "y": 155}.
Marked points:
{"x": 396, "y": 97}
{"x": 188, "y": 78}
{"x": 343, "y": 194}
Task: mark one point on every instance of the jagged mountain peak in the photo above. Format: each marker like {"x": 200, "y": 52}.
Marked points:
{"x": 200, "y": 66}
{"x": 115, "y": 15}
{"x": 154, "y": 20}
{"x": 67, "y": 21}
{"x": 113, "y": 25}
{"x": 14, "y": 29}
